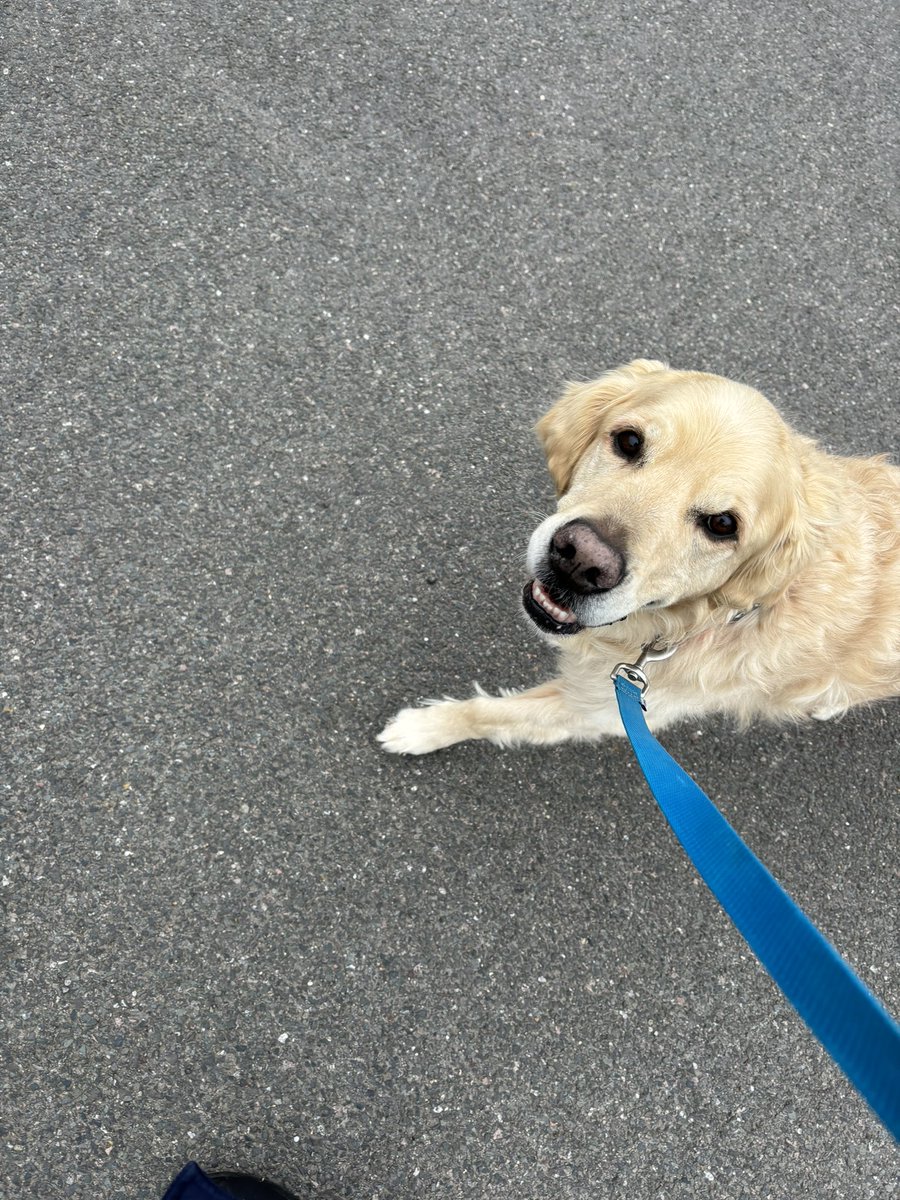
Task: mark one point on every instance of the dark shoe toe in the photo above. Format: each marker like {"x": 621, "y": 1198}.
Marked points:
{"x": 249, "y": 1187}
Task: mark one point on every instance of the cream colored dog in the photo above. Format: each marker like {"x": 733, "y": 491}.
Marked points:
{"x": 690, "y": 515}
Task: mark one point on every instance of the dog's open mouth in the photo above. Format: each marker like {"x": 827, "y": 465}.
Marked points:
{"x": 546, "y": 612}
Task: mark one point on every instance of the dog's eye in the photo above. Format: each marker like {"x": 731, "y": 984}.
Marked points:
{"x": 721, "y": 525}
{"x": 628, "y": 443}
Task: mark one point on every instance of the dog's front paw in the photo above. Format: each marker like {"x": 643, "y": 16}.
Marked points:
{"x": 421, "y": 730}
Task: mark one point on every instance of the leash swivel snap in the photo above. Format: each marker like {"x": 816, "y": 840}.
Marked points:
{"x": 634, "y": 672}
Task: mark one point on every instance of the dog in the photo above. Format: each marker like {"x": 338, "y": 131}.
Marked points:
{"x": 691, "y": 516}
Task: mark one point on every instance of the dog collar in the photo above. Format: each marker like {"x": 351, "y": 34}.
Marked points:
{"x": 656, "y": 651}
{"x": 739, "y": 615}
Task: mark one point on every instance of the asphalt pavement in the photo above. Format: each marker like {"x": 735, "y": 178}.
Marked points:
{"x": 285, "y": 288}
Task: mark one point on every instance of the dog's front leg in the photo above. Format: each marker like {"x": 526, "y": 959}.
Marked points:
{"x": 540, "y": 716}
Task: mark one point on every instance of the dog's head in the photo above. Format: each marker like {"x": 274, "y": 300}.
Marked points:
{"x": 676, "y": 490}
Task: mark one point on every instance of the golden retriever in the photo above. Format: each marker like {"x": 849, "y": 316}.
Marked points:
{"x": 692, "y": 516}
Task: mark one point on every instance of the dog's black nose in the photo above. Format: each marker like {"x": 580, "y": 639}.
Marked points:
{"x": 584, "y": 559}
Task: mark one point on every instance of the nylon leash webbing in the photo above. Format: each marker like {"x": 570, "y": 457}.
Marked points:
{"x": 858, "y": 1033}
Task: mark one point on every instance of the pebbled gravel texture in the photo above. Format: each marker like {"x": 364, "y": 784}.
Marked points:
{"x": 286, "y": 287}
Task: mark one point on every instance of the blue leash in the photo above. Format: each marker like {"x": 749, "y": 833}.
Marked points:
{"x": 860, "y": 1035}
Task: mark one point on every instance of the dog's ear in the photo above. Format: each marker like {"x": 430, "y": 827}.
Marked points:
{"x": 568, "y": 429}
{"x": 767, "y": 575}
{"x": 805, "y": 512}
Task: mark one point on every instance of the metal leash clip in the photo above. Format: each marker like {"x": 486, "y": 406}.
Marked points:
{"x": 634, "y": 672}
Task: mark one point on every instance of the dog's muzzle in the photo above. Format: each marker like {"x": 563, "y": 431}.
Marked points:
{"x": 582, "y": 561}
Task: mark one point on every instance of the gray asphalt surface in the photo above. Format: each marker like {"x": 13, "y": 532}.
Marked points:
{"x": 286, "y": 288}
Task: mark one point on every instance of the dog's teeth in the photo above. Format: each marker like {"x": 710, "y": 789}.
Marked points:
{"x": 541, "y": 596}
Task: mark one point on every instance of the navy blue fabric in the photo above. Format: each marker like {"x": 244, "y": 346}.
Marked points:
{"x": 861, "y": 1037}
{"x": 192, "y": 1184}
